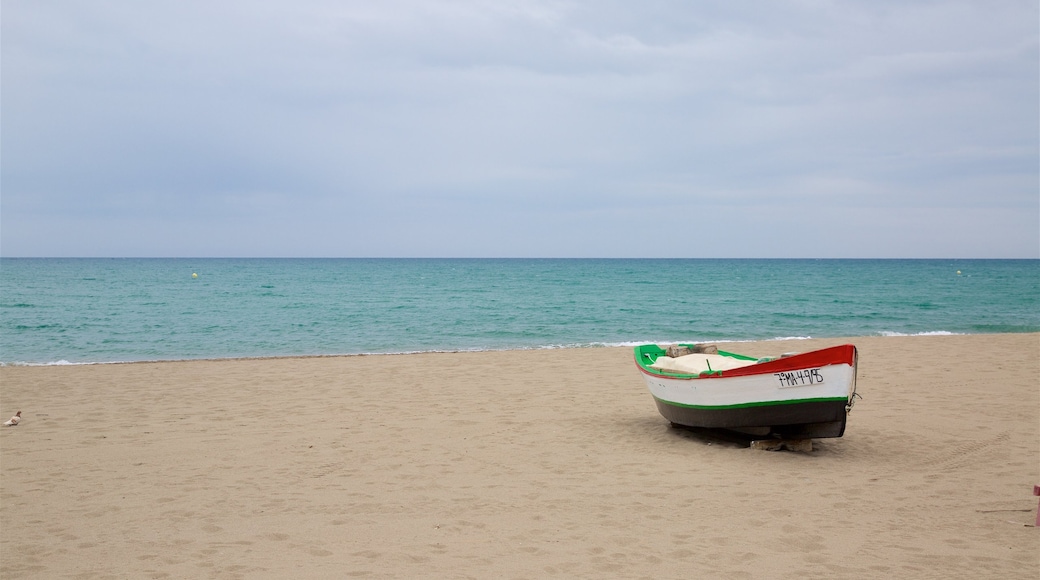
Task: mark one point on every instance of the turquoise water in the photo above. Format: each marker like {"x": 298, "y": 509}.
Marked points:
{"x": 104, "y": 310}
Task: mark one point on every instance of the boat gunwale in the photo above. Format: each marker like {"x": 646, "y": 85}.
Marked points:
{"x": 834, "y": 355}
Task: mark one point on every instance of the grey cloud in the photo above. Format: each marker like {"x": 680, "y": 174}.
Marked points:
{"x": 374, "y": 125}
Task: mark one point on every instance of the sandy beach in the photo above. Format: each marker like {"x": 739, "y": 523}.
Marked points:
{"x": 519, "y": 464}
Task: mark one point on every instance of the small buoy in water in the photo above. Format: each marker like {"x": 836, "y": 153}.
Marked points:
{"x": 958, "y": 272}
{"x": 194, "y": 275}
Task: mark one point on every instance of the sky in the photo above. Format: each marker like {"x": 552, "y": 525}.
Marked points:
{"x": 714, "y": 129}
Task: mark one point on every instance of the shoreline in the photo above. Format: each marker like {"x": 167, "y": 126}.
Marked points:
{"x": 592, "y": 345}
{"x": 535, "y": 463}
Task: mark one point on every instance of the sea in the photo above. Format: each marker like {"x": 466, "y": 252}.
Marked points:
{"x": 86, "y": 310}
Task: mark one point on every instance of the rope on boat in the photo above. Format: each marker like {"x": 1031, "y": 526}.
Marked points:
{"x": 852, "y": 401}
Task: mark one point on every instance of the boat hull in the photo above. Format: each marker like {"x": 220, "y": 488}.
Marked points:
{"x": 802, "y": 396}
{"x": 795, "y": 421}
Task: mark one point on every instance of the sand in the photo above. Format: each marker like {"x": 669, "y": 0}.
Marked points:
{"x": 523, "y": 464}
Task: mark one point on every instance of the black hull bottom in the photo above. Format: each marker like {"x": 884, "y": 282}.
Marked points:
{"x": 810, "y": 420}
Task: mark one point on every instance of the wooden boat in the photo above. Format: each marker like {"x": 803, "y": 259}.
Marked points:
{"x": 798, "y": 396}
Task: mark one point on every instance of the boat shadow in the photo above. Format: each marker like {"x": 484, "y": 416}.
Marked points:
{"x": 656, "y": 429}
{"x": 816, "y": 447}
{"x": 715, "y": 436}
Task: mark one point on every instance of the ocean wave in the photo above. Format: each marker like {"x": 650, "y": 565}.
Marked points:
{"x": 926, "y": 333}
{"x": 56, "y": 363}
{"x": 550, "y": 346}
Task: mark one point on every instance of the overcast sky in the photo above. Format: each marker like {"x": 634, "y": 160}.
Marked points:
{"x": 520, "y": 129}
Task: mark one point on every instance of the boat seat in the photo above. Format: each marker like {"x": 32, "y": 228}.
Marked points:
{"x": 697, "y": 363}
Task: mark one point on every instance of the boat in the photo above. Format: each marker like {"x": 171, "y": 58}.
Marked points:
{"x": 792, "y": 396}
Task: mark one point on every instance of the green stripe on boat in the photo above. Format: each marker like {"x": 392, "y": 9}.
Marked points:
{"x": 756, "y": 403}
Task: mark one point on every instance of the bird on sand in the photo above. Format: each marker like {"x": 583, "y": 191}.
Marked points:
{"x": 13, "y": 420}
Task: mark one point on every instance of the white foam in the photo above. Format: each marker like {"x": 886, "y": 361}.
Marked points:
{"x": 927, "y": 333}
{"x": 54, "y": 363}
{"x": 556, "y": 346}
